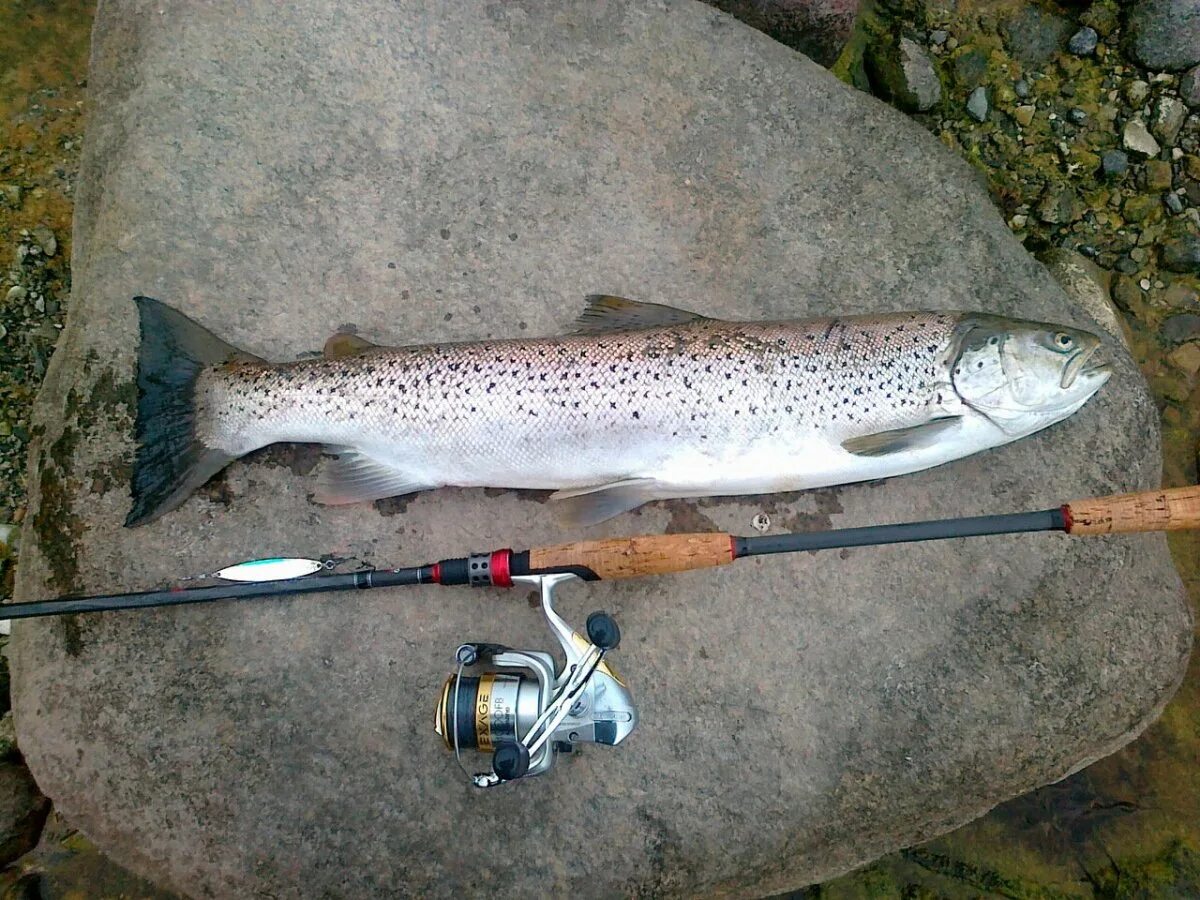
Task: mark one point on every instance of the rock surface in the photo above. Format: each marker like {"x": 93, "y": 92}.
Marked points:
{"x": 817, "y": 28}
{"x": 902, "y": 72}
{"x": 1165, "y": 34}
{"x": 474, "y": 172}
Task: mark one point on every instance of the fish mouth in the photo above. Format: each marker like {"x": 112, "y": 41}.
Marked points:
{"x": 1078, "y": 365}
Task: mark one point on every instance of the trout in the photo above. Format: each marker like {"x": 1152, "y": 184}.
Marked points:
{"x": 641, "y": 402}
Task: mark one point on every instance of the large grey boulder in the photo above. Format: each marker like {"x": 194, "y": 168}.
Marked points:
{"x": 280, "y": 170}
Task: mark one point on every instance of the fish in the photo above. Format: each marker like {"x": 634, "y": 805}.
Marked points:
{"x": 640, "y": 402}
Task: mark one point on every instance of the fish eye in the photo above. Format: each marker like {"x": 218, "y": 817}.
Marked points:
{"x": 1063, "y": 341}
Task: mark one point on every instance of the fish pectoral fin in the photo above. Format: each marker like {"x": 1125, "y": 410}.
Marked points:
{"x": 883, "y": 443}
{"x": 594, "y": 504}
{"x": 603, "y": 312}
{"x": 340, "y": 346}
{"x": 352, "y": 477}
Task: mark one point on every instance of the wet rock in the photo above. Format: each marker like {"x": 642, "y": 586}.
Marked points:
{"x": 970, "y": 68}
{"x": 1021, "y": 88}
{"x": 1114, "y": 163}
{"x": 1086, "y": 284}
{"x": 1059, "y": 205}
{"x": 817, "y": 28}
{"x": 1169, "y": 116}
{"x": 1137, "y": 92}
{"x": 1186, "y": 358}
{"x": 1180, "y": 328}
{"x": 1165, "y": 34}
{"x": 45, "y": 240}
{"x": 1035, "y": 34}
{"x": 977, "y": 104}
{"x": 284, "y": 749}
{"x": 902, "y": 72}
{"x": 1158, "y": 175}
{"x": 1182, "y": 254}
{"x": 1083, "y": 42}
{"x": 1137, "y": 139}
{"x": 1104, "y": 16}
{"x": 23, "y": 811}
{"x": 1189, "y": 87}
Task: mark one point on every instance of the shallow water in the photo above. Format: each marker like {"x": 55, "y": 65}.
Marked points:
{"x": 1126, "y": 826}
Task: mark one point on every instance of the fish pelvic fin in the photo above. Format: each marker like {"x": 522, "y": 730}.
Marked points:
{"x": 353, "y": 477}
{"x": 170, "y": 461}
{"x": 603, "y": 312}
{"x": 885, "y": 443}
{"x": 592, "y": 505}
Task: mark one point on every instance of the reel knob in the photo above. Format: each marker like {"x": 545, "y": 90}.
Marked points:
{"x": 602, "y": 630}
{"x": 510, "y": 761}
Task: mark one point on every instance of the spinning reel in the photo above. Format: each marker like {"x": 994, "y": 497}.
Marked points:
{"x": 523, "y": 712}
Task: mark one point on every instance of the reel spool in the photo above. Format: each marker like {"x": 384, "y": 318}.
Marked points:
{"x": 523, "y": 712}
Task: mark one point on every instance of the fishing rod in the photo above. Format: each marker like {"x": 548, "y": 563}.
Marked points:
{"x": 1169, "y": 509}
{"x": 522, "y": 710}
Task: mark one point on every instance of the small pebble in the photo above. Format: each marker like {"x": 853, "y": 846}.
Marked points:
{"x": 937, "y": 38}
{"x": 1077, "y": 115}
{"x": 15, "y": 294}
{"x": 1136, "y": 92}
{"x": 1189, "y": 88}
{"x": 1173, "y": 203}
{"x": 1144, "y": 284}
{"x": 3, "y": 332}
{"x": 1126, "y": 266}
{"x": 1114, "y": 162}
{"x": 1138, "y": 139}
{"x": 1022, "y": 88}
{"x": 1024, "y": 115}
{"x": 1084, "y": 41}
{"x": 951, "y": 42}
{"x": 977, "y": 104}
{"x": 40, "y": 305}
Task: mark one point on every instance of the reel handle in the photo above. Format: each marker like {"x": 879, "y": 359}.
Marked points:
{"x": 1170, "y": 509}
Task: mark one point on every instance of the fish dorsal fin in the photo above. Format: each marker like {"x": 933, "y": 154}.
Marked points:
{"x": 604, "y": 312}
{"x": 884, "y": 443}
{"x": 340, "y": 345}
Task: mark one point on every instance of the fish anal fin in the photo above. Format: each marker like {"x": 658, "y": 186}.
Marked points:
{"x": 884, "y": 443}
{"x": 340, "y": 345}
{"x": 353, "y": 477}
{"x": 594, "y": 504}
{"x": 604, "y": 312}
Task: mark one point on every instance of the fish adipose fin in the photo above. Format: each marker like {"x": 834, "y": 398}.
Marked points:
{"x": 340, "y": 346}
{"x": 607, "y": 313}
{"x": 170, "y": 461}
{"x": 884, "y": 443}
{"x": 354, "y": 477}
{"x": 592, "y": 505}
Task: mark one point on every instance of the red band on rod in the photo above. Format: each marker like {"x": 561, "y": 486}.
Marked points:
{"x": 1068, "y": 519}
{"x": 499, "y": 567}
{"x": 437, "y": 573}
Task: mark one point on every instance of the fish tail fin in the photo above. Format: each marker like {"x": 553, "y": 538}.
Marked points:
{"x": 171, "y": 461}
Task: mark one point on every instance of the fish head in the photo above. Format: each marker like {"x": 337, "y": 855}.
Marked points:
{"x": 1024, "y": 376}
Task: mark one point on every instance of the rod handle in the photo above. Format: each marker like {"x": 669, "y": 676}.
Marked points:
{"x": 1170, "y": 509}
{"x": 648, "y": 554}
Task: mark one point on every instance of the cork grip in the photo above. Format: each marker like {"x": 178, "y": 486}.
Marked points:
{"x": 650, "y": 554}
{"x": 1171, "y": 509}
